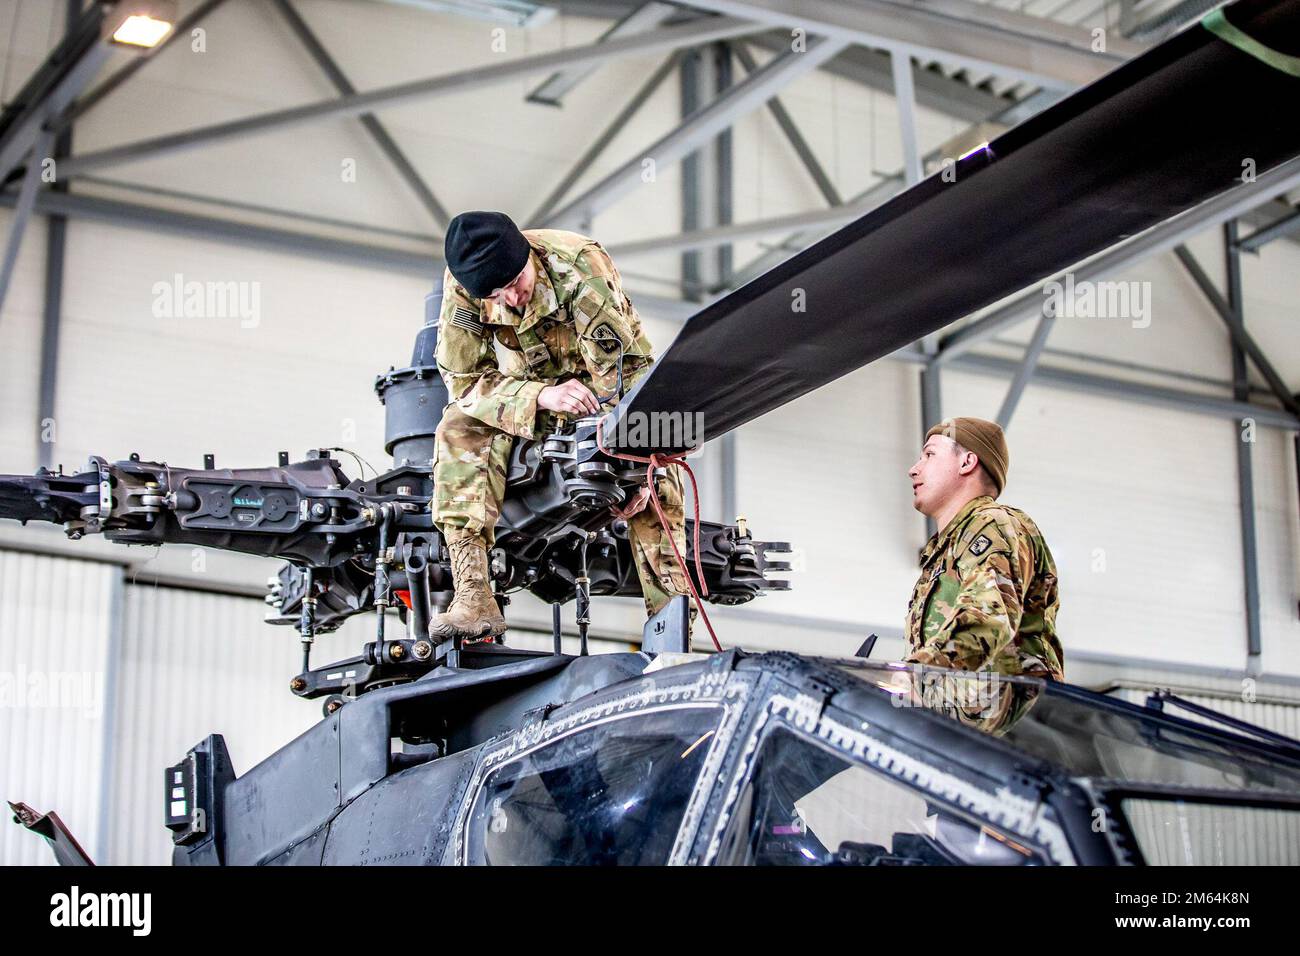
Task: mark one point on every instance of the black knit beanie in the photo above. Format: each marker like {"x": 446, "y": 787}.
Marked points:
{"x": 485, "y": 251}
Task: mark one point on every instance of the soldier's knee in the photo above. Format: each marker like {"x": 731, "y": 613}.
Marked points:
{"x": 450, "y": 414}
{"x": 671, "y": 495}
{"x": 457, "y": 427}
{"x": 669, "y": 571}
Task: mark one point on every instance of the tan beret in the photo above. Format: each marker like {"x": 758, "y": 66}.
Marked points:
{"x": 984, "y": 438}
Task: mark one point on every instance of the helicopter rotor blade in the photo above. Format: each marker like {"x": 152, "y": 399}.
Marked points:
{"x": 1155, "y": 137}
{"x": 46, "y": 496}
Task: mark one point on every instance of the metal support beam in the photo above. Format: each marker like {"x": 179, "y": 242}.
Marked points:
{"x": 792, "y": 134}
{"x": 1138, "y": 392}
{"x": 700, "y": 128}
{"x": 47, "y": 93}
{"x": 753, "y": 229}
{"x": 881, "y": 192}
{"x": 22, "y": 211}
{"x": 377, "y": 132}
{"x": 866, "y": 66}
{"x": 1245, "y": 466}
{"x": 1169, "y": 21}
{"x": 905, "y": 97}
{"x": 1229, "y": 204}
{"x": 56, "y": 241}
{"x": 706, "y": 77}
{"x": 132, "y": 66}
{"x": 724, "y": 180}
{"x": 931, "y": 403}
{"x": 117, "y": 213}
{"x": 1286, "y": 226}
{"x": 872, "y": 69}
{"x": 1296, "y": 443}
{"x": 724, "y": 172}
{"x": 690, "y": 102}
{"x": 601, "y": 143}
{"x": 1142, "y": 368}
{"x": 727, "y": 476}
{"x": 1026, "y": 370}
{"x": 321, "y": 248}
{"x": 656, "y": 41}
{"x": 931, "y": 414}
{"x": 900, "y": 64}
{"x": 977, "y": 36}
{"x": 645, "y": 17}
{"x": 296, "y": 216}
{"x": 1241, "y": 339}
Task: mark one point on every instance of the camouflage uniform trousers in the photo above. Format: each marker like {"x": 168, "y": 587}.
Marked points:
{"x": 469, "y": 476}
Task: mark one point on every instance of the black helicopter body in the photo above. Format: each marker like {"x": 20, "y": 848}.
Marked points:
{"x": 772, "y": 759}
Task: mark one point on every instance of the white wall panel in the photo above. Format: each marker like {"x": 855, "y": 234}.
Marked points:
{"x": 298, "y": 376}
{"x": 20, "y": 355}
{"x": 197, "y": 663}
{"x": 194, "y": 664}
{"x": 1278, "y": 714}
{"x": 1170, "y": 833}
{"x": 1277, "y": 525}
{"x": 828, "y": 473}
{"x": 1270, "y": 290}
{"x": 30, "y": 31}
{"x": 56, "y": 622}
{"x": 1180, "y": 835}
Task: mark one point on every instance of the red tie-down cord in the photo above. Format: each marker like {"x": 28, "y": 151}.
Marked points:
{"x": 638, "y": 503}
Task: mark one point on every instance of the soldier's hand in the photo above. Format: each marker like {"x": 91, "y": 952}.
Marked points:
{"x": 569, "y": 398}
{"x": 902, "y": 685}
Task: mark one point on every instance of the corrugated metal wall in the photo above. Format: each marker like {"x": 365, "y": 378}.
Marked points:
{"x": 1188, "y": 834}
{"x": 56, "y": 631}
{"x": 1171, "y": 833}
{"x": 195, "y": 663}
{"x": 1272, "y": 713}
{"x": 104, "y": 683}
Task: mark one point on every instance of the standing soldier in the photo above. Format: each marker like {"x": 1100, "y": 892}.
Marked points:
{"x": 987, "y": 596}
{"x": 534, "y": 325}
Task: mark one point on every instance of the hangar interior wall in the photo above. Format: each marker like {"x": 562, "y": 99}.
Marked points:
{"x": 1139, "y": 504}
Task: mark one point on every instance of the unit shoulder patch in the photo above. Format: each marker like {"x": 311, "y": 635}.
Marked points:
{"x": 980, "y": 545}
{"x": 605, "y": 336}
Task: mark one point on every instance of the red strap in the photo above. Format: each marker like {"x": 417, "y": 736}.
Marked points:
{"x": 633, "y": 507}
{"x": 662, "y": 461}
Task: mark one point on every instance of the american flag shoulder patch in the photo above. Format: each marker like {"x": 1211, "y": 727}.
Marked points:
{"x": 467, "y": 319}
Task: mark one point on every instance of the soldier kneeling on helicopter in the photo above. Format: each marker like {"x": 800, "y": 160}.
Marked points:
{"x": 554, "y": 303}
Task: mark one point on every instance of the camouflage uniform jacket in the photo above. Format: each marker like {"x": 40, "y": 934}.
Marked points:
{"x": 578, "y": 321}
{"x": 987, "y": 596}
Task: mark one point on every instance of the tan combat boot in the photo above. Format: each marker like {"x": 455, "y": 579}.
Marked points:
{"x": 473, "y": 612}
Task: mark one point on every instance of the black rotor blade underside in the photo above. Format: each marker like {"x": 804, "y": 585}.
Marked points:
{"x": 1155, "y": 137}
{"x": 45, "y": 497}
